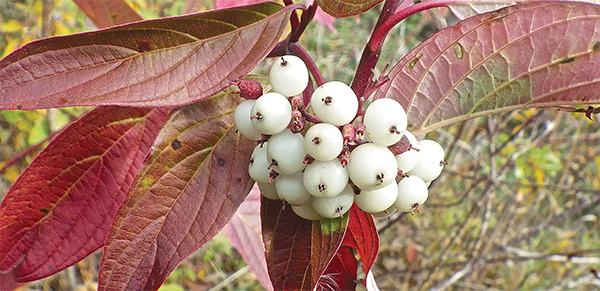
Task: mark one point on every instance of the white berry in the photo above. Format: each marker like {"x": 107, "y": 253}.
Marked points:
{"x": 307, "y": 212}
{"x": 409, "y": 159}
{"x": 268, "y": 190}
{"x": 290, "y": 188}
{"x": 377, "y": 200}
{"x": 258, "y": 168}
{"x": 334, "y": 102}
{"x": 241, "y": 118}
{"x": 271, "y": 113}
{"x": 285, "y": 151}
{"x": 385, "y": 121}
{"x": 431, "y": 160}
{"x": 372, "y": 166}
{"x": 336, "y": 206}
{"x": 325, "y": 179}
{"x": 323, "y": 141}
{"x": 412, "y": 192}
{"x": 289, "y": 75}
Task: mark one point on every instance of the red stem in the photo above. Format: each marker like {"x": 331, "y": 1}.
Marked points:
{"x": 369, "y": 58}
{"x": 26, "y": 152}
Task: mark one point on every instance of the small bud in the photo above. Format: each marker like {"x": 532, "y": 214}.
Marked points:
{"x": 348, "y": 133}
{"x": 360, "y": 132}
{"x": 297, "y": 103}
{"x": 297, "y": 123}
{"x": 344, "y": 157}
{"x": 249, "y": 89}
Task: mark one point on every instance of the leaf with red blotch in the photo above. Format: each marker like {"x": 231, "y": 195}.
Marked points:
{"x": 107, "y": 13}
{"x": 190, "y": 185}
{"x": 298, "y": 250}
{"x": 539, "y": 54}
{"x": 362, "y": 236}
{"x": 345, "y": 8}
{"x": 162, "y": 62}
{"x": 60, "y": 209}
{"x": 244, "y": 233}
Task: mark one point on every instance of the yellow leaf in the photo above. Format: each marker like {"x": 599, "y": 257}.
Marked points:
{"x": 11, "y": 26}
{"x": 12, "y": 45}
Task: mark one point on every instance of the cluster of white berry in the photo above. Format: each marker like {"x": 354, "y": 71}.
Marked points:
{"x": 325, "y": 168}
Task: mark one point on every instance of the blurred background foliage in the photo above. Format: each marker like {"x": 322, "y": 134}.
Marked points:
{"x": 517, "y": 207}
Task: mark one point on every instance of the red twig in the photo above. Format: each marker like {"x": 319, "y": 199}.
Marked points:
{"x": 28, "y": 151}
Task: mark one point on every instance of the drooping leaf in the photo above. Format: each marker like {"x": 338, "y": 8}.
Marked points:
{"x": 107, "y": 13}
{"x": 541, "y": 54}
{"x": 191, "y": 184}
{"x": 362, "y": 236}
{"x": 60, "y": 209}
{"x": 244, "y": 233}
{"x": 345, "y": 8}
{"x": 163, "y": 62}
{"x": 298, "y": 250}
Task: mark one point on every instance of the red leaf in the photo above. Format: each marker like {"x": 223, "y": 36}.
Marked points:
{"x": 234, "y": 3}
{"x": 60, "y": 209}
{"x": 7, "y": 282}
{"x": 362, "y": 236}
{"x": 244, "y": 233}
{"x": 540, "y": 54}
{"x": 341, "y": 272}
{"x": 162, "y": 62}
{"x": 107, "y": 13}
{"x": 298, "y": 250}
{"x": 191, "y": 184}
{"x": 345, "y": 8}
